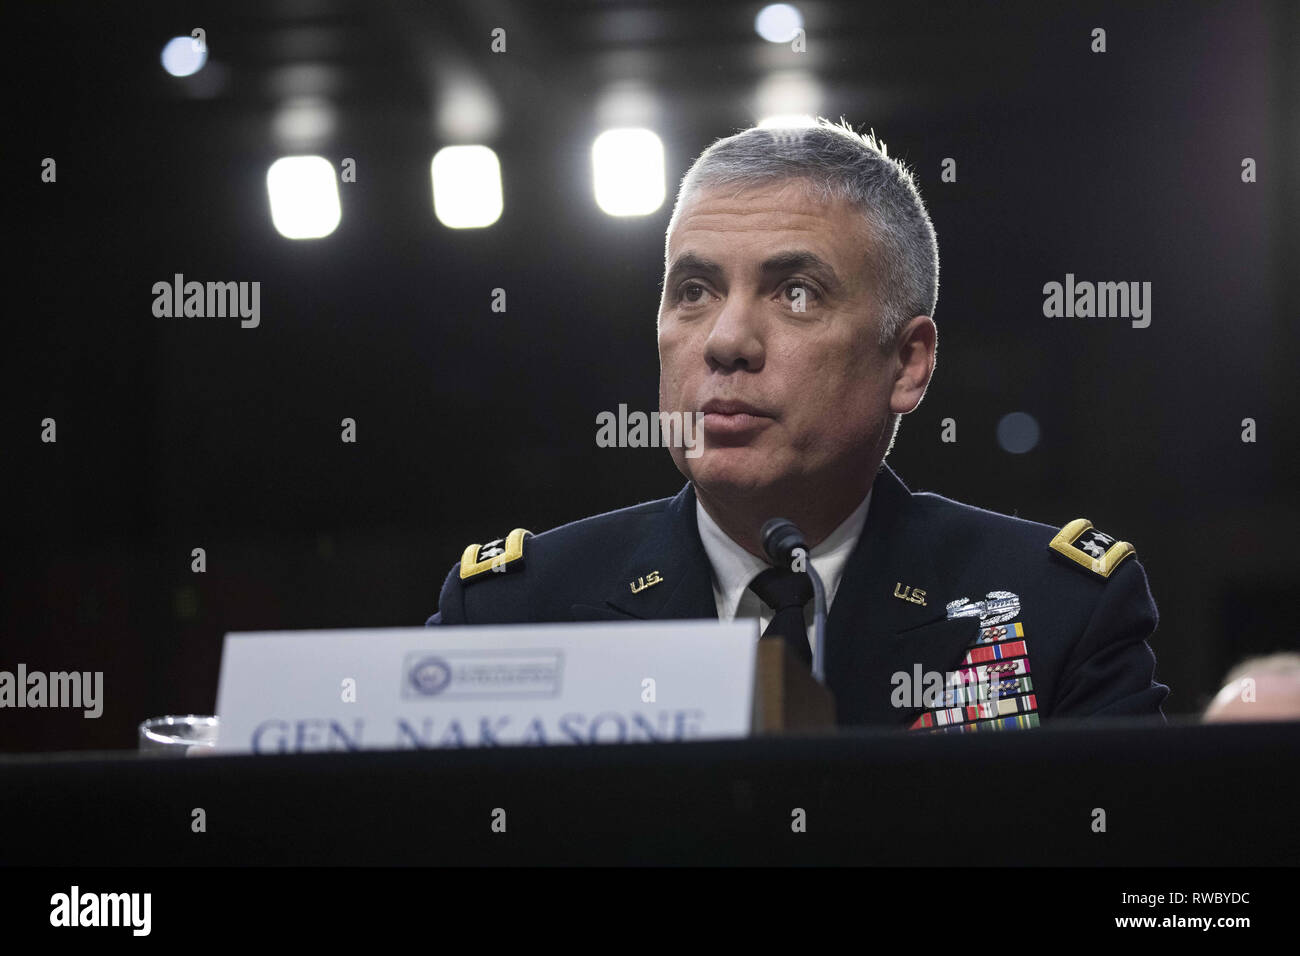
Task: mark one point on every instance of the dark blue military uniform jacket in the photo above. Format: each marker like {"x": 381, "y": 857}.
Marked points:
{"x": 1057, "y": 618}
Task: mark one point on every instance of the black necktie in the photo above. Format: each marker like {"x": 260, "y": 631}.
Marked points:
{"x": 786, "y": 592}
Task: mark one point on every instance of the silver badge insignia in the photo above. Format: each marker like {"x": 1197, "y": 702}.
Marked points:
{"x": 996, "y": 608}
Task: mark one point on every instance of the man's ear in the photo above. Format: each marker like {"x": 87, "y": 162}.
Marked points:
{"x": 914, "y": 351}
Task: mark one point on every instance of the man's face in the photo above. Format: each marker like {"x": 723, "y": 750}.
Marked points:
{"x": 793, "y": 400}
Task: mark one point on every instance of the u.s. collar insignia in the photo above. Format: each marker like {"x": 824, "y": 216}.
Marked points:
{"x": 1085, "y": 545}
{"x": 997, "y": 607}
{"x": 496, "y": 555}
{"x": 645, "y": 581}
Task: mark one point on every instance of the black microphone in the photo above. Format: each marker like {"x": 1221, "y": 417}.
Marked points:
{"x": 781, "y": 538}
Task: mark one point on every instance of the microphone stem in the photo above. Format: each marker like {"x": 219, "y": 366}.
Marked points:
{"x": 819, "y": 625}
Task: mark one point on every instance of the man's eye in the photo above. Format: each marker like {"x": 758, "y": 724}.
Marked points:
{"x": 809, "y": 292}
{"x": 684, "y": 293}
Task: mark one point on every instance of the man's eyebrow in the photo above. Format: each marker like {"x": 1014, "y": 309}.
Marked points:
{"x": 689, "y": 262}
{"x": 801, "y": 260}
{"x": 794, "y": 260}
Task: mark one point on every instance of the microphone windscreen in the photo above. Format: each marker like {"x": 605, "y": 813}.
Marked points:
{"x": 780, "y": 537}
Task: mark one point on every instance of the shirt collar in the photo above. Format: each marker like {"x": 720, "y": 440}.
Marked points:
{"x": 734, "y": 567}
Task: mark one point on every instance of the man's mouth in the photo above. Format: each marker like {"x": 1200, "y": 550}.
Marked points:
{"x": 725, "y": 418}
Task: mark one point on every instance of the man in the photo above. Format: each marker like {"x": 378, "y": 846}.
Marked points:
{"x": 1259, "y": 689}
{"x": 801, "y": 276}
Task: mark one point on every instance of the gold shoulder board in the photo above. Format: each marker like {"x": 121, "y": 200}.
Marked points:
{"x": 1085, "y": 545}
{"x": 495, "y": 555}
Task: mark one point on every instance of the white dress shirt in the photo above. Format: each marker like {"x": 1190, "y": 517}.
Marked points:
{"x": 734, "y": 567}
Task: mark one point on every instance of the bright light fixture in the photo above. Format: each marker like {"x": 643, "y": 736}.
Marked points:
{"x": 628, "y": 171}
{"x": 304, "y": 193}
{"x": 466, "y": 187}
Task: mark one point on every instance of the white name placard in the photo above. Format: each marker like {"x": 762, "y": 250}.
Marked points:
{"x": 533, "y": 684}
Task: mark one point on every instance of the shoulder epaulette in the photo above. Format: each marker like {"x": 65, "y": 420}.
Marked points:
{"x": 501, "y": 555}
{"x": 1085, "y": 545}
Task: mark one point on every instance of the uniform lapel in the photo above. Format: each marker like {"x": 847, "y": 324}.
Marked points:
{"x": 673, "y": 549}
{"x": 872, "y": 633}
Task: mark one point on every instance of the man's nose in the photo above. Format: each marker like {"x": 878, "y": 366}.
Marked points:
{"x": 736, "y": 339}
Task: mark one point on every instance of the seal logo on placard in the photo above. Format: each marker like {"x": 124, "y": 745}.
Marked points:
{"x": 430, "y": 675}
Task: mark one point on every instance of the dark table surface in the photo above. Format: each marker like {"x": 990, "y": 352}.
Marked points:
{"x": 1189, "y": 795}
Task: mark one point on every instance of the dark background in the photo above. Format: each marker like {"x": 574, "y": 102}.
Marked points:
{"x": 183, "y": 433}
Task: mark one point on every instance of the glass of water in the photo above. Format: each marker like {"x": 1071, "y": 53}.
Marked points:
{"x": 178, "y": 736}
